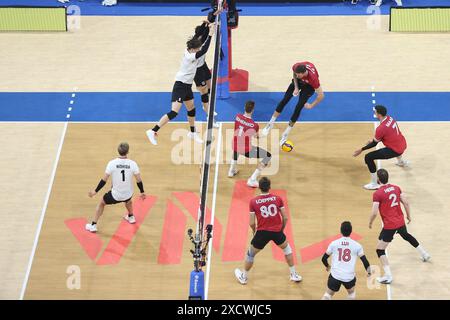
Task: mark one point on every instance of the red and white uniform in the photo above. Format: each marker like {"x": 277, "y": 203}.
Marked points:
{"x": 267, "y": 208}
{"x": 344, "y": 252}
{"x": 313, "y": 75}
{"x": 244, "y": 129}
{"x": 389, "y": 133}
{"x": 390, "y": 209}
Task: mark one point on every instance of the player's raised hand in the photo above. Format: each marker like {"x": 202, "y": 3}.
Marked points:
{"x": 409, "y": 219}
{"x": 328, "y": 268}
{"x": 370, "y": 225}
{"x": 308, "y": 106}
{"x": 296, "y": 92}
{"x": 91, "y": 193}
{"x": 357, "y": 152}
{"x": 142, "y": 196}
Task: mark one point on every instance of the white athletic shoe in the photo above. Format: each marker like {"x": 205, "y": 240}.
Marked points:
{"x": 283, "y": 139}
{"x": 252, "y": 183}
{"x": 240, "y": 276}
{"x": 372, "y": 186}
{"x": 152, "y": 137}
{"x": 131, "y": 220}
{"x": 109, "y": 3}
{"x": 63, "y": 1}
{"x": 295, "y": 277}
{"x": 91, "y": 227}
{"x": 216, "y": 124}
{"x": 403, "y": 164}
{"x": 379, "y": 3}
{"x": 399, "y": 3}
{"x": 195, "y": 136}
{"x": 385, "y": 279}
{"x": 426, "y": 257}
{"x": 232, "y": 172}
{"x": 266, "y": 130}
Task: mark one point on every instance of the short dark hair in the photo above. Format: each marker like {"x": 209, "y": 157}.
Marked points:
{"x": 264, "y": 184}
{"x": 381, "y": 110}
{"x": 383, "y": 176}
{"x": 123, "y": 148}
{"x": 193, "y": 43}
{"x": 346, "y": 228}
{"x": 249, "y": 106}
{"x": 301, "y": 68}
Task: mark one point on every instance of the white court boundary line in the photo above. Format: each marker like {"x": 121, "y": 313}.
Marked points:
{"x": 213, "y": 207}
{"x": 44, "y": 209}
{"x": 388, "y": 286}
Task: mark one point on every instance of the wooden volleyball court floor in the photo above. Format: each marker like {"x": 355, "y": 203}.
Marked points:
{"x": 320, "y": 182}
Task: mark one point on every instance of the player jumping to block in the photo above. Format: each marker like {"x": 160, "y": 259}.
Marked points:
{"x": 122, "y": 171}
{"x": 387, "y": 200}
{"x": 271, "y": 220}
{"x": 202, "y": 77}
{"x": 244, "y": 129}
{"x": 344, "y": 252}
{"x": 305, "y": 81}
{"x": 388, "y": 132}
{"x": 182, "y": 89}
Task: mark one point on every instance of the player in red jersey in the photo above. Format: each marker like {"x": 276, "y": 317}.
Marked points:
{"x": 305, "y": 81}
{"x": 268, "y": 209}
{"x": 387, "y": 201}
{"x": 244, "y": 129}
{"x": 388, "y": 132}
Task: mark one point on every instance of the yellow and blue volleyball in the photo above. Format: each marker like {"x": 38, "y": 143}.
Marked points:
{"x": 288, "y": 146}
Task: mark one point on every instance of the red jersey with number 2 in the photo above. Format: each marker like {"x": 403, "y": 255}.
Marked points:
{"x": 244, "y": 129}
{"x": 389, "y": 133}
{"x": 313, "y": 75}
{"x": 267, "y": 208}
{"x": 390, "y": 208}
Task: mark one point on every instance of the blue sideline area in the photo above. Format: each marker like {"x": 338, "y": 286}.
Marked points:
{"x": 94, "y": 7}
{"x": 149, "y": 106}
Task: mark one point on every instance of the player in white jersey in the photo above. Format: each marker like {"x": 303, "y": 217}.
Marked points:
{"x": 344, "y": 252}
{"x": 121, "y": 171}
{"x": 182, "y": 89}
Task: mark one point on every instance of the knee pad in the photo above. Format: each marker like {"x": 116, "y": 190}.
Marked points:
{"x": 381, "y": 253}
{"x": 287, "y": 250}
{"x": 191, "y": 113}
{"x": 172, "y": 114}
{"x": 250, "y": 255}
{"x": 205, "y": 98}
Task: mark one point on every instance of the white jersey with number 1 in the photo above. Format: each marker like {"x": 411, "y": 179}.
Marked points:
{"x": 344, "y": 251}
{"x": 122, "y": 172}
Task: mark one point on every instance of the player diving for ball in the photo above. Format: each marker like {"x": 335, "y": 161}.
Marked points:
{"x": 244, "y": 129}
{"x": 182, "y": 89}
{"x": 305, "y": 81}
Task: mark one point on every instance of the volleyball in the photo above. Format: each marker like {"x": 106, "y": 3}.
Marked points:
{"x": 288, "y": 146}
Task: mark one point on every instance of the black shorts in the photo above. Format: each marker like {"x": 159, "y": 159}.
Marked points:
{"x": 109, "y": 199}
{"x": 255, "y": 152}
{"x": 182, "y": 92}
{"x": 263, "y": 237}
{"x": 335, "y": 284}
{"x": 387, "y": 235}
{"x": 202, "y": 75}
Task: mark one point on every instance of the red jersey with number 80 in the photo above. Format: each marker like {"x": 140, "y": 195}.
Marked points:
{"x": 389, "y": 133}
{"x": 267, "y": 208}
{"x": 244, "y": 129}
{"x": 390, "y": 208}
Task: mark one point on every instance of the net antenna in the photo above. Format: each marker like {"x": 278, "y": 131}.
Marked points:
{"x": 203, "y": 235}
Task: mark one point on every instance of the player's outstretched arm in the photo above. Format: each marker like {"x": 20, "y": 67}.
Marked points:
{"x": 369, "y": 145}
{"x": 252, "y": 222}
{"x": 325, "y": 261}
{"x": 100, "y": 185}
{"x": 140, "y": 185}
{"x": 366, "y": 264}
{"x": 405, "y": 203}
{"x": 375, "y": 207}
{"x": 320, "y": 96}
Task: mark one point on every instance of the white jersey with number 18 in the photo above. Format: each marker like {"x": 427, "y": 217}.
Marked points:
{"x": 345, "y": 252}
{"x": 122, "y": 172}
